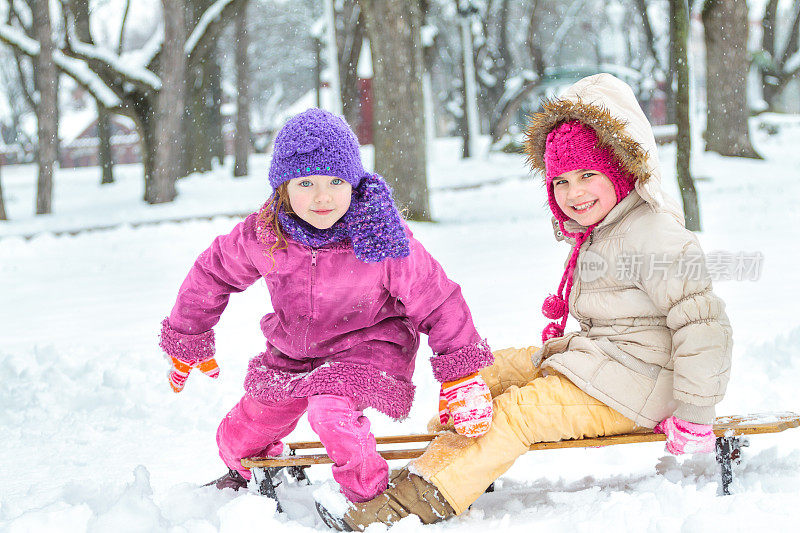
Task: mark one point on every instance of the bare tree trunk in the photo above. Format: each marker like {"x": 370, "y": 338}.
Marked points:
{"x": 679, "y": 32}
{"x": 46, "y": 112}
{"x": 773, "y": 67}
{"x": 501, "y": 64}
{"x": 727, "y": 65}
{"x": 3, "y": 215}
{"x": 649, "y": 36}
{"x": 317, "y": 45}
{"x": 202, "y": 125}
{"x": 393, "y": 29}
{"x": 146, "y": 124}
{"x": 463, "y": 120}
{"x": 104, "y": 153}
{"x": 658, "y": 69}
{"x": 80, "y": 12}
{"x": 351, "y": 38}
{"x": 471, "y": 111}
{"x": 215, "y": 109}
{"x": 510, "y": 102}
{"x": 198, "y": 128}
{"x": 670, "y": 81}
{"x": 768, "y": 27}
{"x": 169, "y": 107}
{"x": 241, "y": 139}
{"x": 428, "y": 59}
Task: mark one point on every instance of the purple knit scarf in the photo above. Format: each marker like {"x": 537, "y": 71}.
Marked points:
{"x": 304, "y": 233}
{"x": 373, "y": 224}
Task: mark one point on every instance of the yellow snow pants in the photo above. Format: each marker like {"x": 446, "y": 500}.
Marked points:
{"x": 528, "y": 408}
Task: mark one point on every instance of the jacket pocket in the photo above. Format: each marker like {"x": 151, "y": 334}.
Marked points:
{"x": 552, "y": 346}
{"x": 635, "y": 364}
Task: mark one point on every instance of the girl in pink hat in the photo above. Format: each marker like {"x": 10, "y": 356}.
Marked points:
{"x": 654, "y": 346}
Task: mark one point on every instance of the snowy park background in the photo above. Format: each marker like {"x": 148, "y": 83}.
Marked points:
{"x": 95, "y": 440}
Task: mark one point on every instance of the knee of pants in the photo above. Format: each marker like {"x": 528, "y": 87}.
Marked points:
{"x": 541, "y": 393}
{"x": 327, "y": 412}
{"x": 508, "y": 403}
{"x": 512, "y": 366}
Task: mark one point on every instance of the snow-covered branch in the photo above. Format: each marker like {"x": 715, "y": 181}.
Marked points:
{"x": 17, "y": 38}
{"x": 143, "y": 57}
{"x": 792, "y": 65}
{"x": 78, "y": 70}
{"x": 568, "y": 21}
{"x": 210, "y": 15}
{"x": 131, "y": 72}
{"x": 74, "y": 68}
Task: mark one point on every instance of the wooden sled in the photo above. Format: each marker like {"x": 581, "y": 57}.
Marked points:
{"x": 731, "y": 432}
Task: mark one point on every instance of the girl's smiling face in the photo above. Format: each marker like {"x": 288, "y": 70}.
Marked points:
{"x": 586, "y": 196}
{"x": 319, "y": 200}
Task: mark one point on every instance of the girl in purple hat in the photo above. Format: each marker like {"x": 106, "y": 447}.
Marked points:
{"x": 351, "y": 291}
{"x": 653, "y": 350}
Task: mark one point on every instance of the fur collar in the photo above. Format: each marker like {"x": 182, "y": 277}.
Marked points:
{"x": 611, "y": 132}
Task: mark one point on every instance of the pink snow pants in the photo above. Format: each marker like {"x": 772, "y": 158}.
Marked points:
{"x": 255, "y": 428}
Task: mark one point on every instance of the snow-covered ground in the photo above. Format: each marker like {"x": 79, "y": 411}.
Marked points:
{"x": 93, "y": 439}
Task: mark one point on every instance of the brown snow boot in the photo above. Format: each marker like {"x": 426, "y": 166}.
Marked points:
{"x": 231, "y": 480}
{"x": 407, "y": 494}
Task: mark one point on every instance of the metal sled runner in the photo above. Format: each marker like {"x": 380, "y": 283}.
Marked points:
{"x": 732, "y": 435}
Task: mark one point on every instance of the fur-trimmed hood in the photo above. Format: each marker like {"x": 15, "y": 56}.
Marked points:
{"x": 607, "y": 105}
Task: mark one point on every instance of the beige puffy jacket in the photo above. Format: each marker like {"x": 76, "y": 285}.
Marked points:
{"x": 654, "y": 338}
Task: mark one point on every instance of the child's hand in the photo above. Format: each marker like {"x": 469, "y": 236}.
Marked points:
{"x": 469, "y": 402}
{"x": 186, "y": 351}
{"x": 686, "y": 437}
{"x": 179, "y": 372}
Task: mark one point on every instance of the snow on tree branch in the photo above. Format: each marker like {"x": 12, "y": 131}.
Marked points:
{"x": 133, "y": 73}
{"x": 75, "y": 68}
{"x": 792, "y": 65}
{"x": 144, "y": 56}
{"x": 569, "y": 20}
{"x": 209, "y": 16}
{"x": 80, "y": 72}
{"x": 16, "y": 38}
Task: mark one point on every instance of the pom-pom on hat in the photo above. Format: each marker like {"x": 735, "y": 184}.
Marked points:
{"x": 315, "y": 142}
{"x": 572, "y": 146}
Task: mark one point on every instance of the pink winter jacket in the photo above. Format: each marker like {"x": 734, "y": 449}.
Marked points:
{"x": 339, "y": 326}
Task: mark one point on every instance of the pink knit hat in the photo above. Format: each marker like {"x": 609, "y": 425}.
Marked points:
{"x": 572, "y": 146}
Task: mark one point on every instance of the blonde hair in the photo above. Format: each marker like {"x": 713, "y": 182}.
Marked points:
{"x": 268, "y": 218}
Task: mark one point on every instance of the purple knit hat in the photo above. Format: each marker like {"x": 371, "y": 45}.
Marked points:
{"x": 571, "y": 146}
{"x": 315, "y": 142}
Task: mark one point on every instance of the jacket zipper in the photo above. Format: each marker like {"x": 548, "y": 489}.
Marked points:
{"x": 313, "y": 277}
{"x": 311, "y": 295}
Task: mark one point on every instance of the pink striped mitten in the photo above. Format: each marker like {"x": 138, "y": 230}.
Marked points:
{"x": 179, "y": 372}
{"x": 185, "y": 352}
{"x": 469, "y": 402}
{"x": 686, "y": 437}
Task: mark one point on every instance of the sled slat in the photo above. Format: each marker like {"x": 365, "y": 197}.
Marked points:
{"x": 725, "y": 426}
{"x": 321, "y": 458}
{"x": 396, "y": 439}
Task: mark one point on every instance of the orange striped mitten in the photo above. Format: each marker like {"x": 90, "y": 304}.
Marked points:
{"x": 179, "y": 372}
{"x": 469, "y": 402}
{"x": 186, "y": 351}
